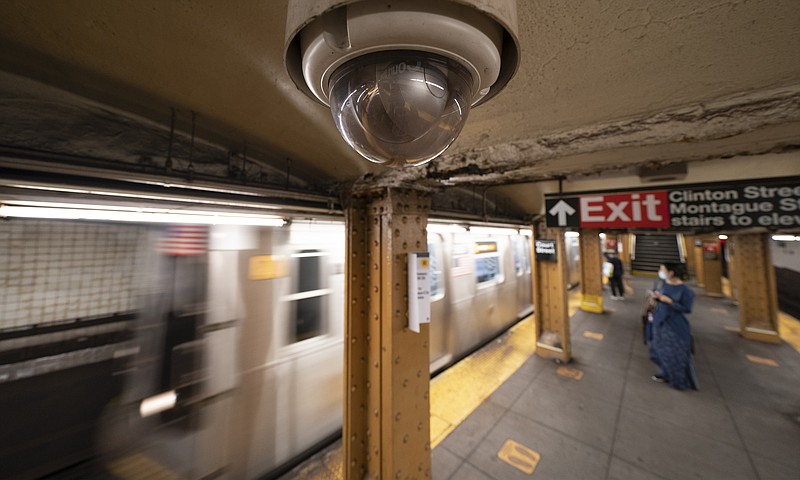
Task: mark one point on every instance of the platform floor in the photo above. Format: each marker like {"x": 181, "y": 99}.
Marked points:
{"x": 602, "y": 417}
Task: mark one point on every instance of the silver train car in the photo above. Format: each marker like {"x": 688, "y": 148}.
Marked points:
{"x": 261, "y": 382}
{"x": 228, "y": 358}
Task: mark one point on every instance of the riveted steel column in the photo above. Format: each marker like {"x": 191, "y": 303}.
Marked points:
{"x": 625, "y": 253}
{"x": 699, "y": 265}
{"x": 387, "y": 409}
{"x": 691, "y": 269}
{"x": 733, "y": 275}
{"x": 591, "y": 271}
{"x": 356, "y": 348}
{"x": 551, "y": 315}
{"x": 712, "y": 265}
{"x": 756, "y": 288}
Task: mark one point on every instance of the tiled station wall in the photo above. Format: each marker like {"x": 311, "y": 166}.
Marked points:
{"x": 56, "y": 271}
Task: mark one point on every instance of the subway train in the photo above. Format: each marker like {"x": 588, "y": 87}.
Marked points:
{"x": 227, "y": 360}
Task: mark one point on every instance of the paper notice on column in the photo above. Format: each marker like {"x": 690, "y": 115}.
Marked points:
{"x": 419, "y": 290}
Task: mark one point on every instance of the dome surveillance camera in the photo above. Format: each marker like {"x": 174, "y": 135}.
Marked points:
{"x": 400, "y": 77}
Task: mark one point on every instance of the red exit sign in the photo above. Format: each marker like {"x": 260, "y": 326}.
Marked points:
{"x": 772, "y": 203}
{"x": 625, "y": 210}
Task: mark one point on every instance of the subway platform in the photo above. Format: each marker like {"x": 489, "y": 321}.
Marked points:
{"x": 602, "y": 417}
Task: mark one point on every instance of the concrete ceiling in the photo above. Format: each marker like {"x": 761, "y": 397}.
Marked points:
{"x": 604, "y": 87}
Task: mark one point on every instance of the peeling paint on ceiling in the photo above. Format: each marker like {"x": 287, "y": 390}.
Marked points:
{"x": 602, "y": 87}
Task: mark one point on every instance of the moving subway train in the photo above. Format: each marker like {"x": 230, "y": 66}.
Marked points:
{"x": 212, "y": 350}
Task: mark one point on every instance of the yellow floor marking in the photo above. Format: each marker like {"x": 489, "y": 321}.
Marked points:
{"x": 732, "y": 329}
{"x": 762, "y": 360}
{"x": 789, "y": 328}
{"x": 519, "y": 456}
{"x": 594, "y": 335}
{"x": 569, "y": 373}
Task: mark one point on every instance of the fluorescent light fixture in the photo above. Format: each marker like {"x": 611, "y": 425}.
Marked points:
{"x": 786, "y": 238}
{"x": 493, "y": 231}
{"x": 722, "y": 237}
{"x": 158, "y": 403}
{"x": 572, "y": 234}
{"x": 62, "y": 211}
{"x": 445, "y": 228}
{"x": 602, "y": 235}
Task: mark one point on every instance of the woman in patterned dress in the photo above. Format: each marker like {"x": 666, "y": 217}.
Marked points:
{"x": 671, "y": 348}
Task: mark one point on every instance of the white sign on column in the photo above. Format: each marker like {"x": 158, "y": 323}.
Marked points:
{"x": 419, "y": 290}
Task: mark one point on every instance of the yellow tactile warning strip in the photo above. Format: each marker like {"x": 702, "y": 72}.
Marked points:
{"x": 327, "y": 466}
{"x": 594, "y": 335}
{"x": 789, "y": 328}
{"x": 457, "y": 392}
{"x": 762, "y": 360}
{"x": 569, "y": 373}
{"x": 137, "y": 466}
{"x": 519, "y": 456}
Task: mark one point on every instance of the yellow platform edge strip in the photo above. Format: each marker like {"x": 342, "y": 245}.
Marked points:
{"x": 458, "y": 391}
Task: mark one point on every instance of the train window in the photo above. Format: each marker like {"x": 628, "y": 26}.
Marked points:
{"x": 437, "y": 278}
{"x": 307, "y": 301}
{"x": 487, "y": 262}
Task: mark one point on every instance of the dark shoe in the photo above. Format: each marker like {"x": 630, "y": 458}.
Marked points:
{"x": 657, "y": 378}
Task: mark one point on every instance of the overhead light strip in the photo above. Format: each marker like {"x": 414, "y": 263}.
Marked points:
{"x": 145, "y": 196}
{"x": 62, "y": 211}
{"x": 786, "y": 238}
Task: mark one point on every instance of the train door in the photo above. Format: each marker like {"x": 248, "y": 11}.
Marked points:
{"x": 522, "y": 268}
{"x": 158, "y": 420}
{"x": 439, "y": 355}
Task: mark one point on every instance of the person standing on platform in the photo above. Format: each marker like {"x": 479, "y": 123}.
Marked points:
{"x": 671, "y": 348}
{"x": 615, "y": 280}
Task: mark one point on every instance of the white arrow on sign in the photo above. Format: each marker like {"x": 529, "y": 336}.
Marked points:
{"x": 562, "y": 209}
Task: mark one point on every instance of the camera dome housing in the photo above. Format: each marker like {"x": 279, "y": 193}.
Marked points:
{"x": 400, "y": 77}
{"x": 400, "y": 107}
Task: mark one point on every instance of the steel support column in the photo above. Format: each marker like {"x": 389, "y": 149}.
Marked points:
{"x": 591, "y": 271}
{"x": 699, "y": 265}
{"x": 386, "y": 431}
{"x": 551, "y": 315}
{"x": 712, "y": 265}
{"x": 755, "y": 286}
{"x": 625, "y": 254}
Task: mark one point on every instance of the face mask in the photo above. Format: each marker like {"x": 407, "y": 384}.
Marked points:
{"x": 663, "y": 276}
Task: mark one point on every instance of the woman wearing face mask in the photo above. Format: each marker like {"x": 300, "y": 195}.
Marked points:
{"x": 671, "y": 346}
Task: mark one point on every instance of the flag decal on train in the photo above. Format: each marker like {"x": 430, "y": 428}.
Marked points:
{"x": 184, "y": 240}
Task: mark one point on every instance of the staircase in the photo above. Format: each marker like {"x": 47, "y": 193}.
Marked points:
{"x": 653, "y": 250}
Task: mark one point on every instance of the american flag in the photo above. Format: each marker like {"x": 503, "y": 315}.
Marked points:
{"x": 184, "y": 240}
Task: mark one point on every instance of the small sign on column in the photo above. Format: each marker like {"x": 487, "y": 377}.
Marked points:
{"x": 419, "y": 290}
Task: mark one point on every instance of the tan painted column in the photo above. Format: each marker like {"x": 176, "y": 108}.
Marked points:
{"x": 732, "y": 273}
{"x": 757, "y": 291}
{"x": 712, "y": 265}
{"x": 591, "y": 271}
{"x": 551, "y": 315}
{"x": 688, "y": 241}
{"x": 386, "y": 430}
{"x": 625, "y": 254}
{"x": 700, "y": 273}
